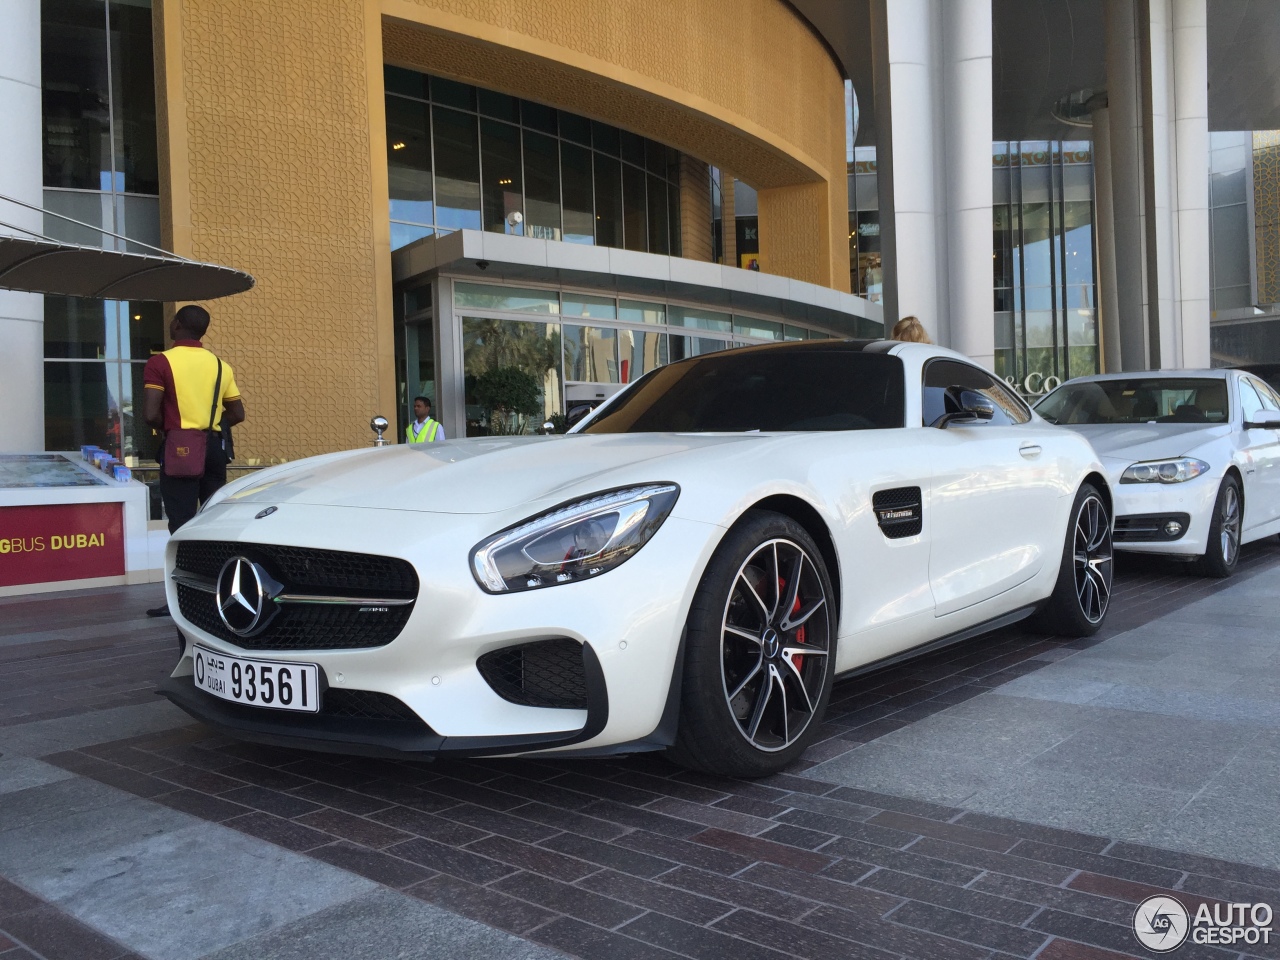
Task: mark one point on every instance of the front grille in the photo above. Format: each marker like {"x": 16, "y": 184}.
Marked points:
{"x": 546, "y": 673}
{"x": 898, "y": 511}
{"x": 305, "y": 570}
{"x": 302, "y": 626}
{"x": 1149, "y": 527}
{"x": 366, "y": 705}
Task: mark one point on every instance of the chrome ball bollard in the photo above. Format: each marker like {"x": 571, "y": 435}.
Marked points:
{"x": 379, "y": 426}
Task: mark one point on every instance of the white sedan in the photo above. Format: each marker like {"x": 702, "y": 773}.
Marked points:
{"x": 1193, "y": 457}
{"x": 689, "y": 570}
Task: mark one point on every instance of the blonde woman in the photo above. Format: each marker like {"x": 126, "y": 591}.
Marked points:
{"x": 911, "y": 330}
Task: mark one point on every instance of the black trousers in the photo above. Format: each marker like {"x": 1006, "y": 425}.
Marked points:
{"x": 182, "y": 496}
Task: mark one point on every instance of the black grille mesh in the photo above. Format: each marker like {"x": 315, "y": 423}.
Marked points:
{"x": 899, "y": 498}
{"x": 301, "y": 569}
{"x": 300, "y": 626}
{"x": 546, "y": 673}
{"x": 366, "y": 705}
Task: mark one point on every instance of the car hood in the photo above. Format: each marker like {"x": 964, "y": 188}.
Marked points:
{"x": 475, "y": 476}
{"x": 1133, "y": 442}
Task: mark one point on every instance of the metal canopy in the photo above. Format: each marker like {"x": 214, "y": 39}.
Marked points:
{"x": 40, "y": 264}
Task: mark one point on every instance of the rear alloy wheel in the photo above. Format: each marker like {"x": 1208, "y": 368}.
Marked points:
{"x": 760, "y": 650}
{"x": 1082, "y": 594}
{"x": 1223, "y": 550}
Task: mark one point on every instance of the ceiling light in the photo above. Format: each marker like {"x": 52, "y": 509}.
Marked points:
{"x": 398, "y": 146}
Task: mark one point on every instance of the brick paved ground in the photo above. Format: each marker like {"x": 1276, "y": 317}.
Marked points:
{"x": 612, "y": 859}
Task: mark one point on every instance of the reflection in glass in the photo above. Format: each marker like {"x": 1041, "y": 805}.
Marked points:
{"x": 457, "y": 157}
{"x": 585, "y": 305}
{"x": 403, "y": 234}
{"x": 699, "y": 318}
{"x": 590, "y": 354}
{"x": 488, "y": 297}
{"x": 81, "y": 406}
{"x": 512, "y": 375}
{"x": 500, "y": 160}
{"x": 635, "y": 230}
{"x": 80, "y": 329}
{"x": 641, "y": 351}
{"x": 409, "y": 160}
{"x": 753, "y": 327}
{"x": 92, "y": 208}
{"x": 637, "y": 311}
{"x": 133, "y": 89}
{"x": 579, "y": 202}
{"x": 659, "y": 232}
{"x": 542, "y": 187}
{"x": 683, "y": 347}
{"x": 77, "y": 121}
{"x": 608, "y": 180}
{"x": 137, "y": 218}
{"x": 145, "y": 323}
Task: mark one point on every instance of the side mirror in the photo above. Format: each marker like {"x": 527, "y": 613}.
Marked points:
{"x": 577, "y": 413}
{"x": 965, "y": 406}
{"x": 1264, "y": 420}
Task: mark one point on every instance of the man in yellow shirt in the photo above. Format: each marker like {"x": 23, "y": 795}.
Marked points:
{"x": 180, "y": 385}
{"x": 423, "y": 429}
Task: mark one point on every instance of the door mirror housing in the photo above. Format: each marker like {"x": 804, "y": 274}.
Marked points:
{"x": 964, "y": 405}
{"x": 576, "y": 414}
{"x": 1264, "y": 420}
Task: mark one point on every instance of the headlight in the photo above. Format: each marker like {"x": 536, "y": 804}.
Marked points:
{"x": 573, "y": 542}
{"x": 1164, "y": 471}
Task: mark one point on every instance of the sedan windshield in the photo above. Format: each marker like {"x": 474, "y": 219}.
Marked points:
{"x": 798, "y": 388}
{"x": 1164, "y": 400}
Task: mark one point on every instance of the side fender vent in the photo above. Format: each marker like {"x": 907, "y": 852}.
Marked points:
{"x": 898, "y": 511}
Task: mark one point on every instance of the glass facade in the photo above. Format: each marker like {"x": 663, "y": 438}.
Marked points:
{"x": 459, "y": 157}
{"x": 1230, "y": 200}
{"x": 865, "y": 273}
{"x": 1043, "y": 271}
{"x": 100, "y": 168}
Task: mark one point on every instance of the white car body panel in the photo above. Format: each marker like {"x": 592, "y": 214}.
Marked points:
{"x": 1254, "y": 455}
{"x": 995, "y": 517}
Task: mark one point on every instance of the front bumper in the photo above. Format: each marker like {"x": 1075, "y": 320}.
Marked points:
{"x": 629, "y": 622}
{"x": 1138, "y": 504}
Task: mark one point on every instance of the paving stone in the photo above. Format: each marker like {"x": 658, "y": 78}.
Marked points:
{"x": 796, "y": 939}
{"x": 591, "y": 943}
{"x": 681, "y": 904}
{"x": 569, "y": 900}
{"x": 673, "y": 934}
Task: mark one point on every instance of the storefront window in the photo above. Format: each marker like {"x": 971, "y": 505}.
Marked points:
{"x": 591, "y": 354}
{"x": 512, "y": 375}
{"x": 460, "y": 157}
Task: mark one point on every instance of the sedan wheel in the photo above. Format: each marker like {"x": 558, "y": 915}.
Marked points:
{"x": 1222, "y": 552}
{"x": 760, "y": 648}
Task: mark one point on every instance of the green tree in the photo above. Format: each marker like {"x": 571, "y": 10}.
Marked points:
{"x": 509, "y": 395}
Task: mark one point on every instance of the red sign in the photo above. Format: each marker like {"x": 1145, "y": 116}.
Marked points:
{"x": 66, "y": 541}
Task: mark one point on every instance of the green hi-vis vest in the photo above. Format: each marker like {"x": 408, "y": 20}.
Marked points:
{"x": 426, "y": 435}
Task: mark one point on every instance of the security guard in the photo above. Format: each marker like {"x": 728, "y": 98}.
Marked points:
{"x": 423, "y": 429}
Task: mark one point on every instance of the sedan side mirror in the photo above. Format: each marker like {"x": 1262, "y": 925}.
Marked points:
{"x": 576, "y": 414}
{"x": 1264, "y": 420}
{"x": 965, "y": 406}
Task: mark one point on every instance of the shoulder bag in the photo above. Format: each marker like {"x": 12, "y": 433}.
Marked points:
{"x": 185, "y": 449}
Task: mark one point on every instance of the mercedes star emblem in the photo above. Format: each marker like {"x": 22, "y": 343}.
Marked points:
{"x": 242, "y": 596}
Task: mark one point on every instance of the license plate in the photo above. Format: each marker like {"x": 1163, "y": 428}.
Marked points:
{"x": 277, "y": 684}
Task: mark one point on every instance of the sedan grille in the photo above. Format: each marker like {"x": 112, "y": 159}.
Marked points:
{"x": 303, "y": 573}
{"x": 546, "y": 673}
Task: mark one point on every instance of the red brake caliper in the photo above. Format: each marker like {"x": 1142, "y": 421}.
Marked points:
{"x": 798, "y": 661}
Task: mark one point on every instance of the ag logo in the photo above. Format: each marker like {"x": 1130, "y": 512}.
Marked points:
{"x": 1161, "y": 924}
{"x": 245, "y": 595}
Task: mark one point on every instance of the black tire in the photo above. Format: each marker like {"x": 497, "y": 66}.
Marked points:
{"x": 1223, "y": 550}
{"x": 1078, "y": 605}
{"x": 750, "y": 704}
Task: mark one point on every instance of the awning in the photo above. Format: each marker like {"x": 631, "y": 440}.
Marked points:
{"x": 40, "y": 264}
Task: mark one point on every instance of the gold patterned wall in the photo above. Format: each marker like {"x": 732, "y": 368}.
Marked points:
{"x": 267, "y": 135}
{"x": 273, "y": 144}
{"x": 1266, "y": 213}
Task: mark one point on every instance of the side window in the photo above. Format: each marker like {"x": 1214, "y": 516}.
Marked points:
{"x": 1268, "y": 396}
{"x": 941, "y": 374}
{"x": 1250, "y": 402}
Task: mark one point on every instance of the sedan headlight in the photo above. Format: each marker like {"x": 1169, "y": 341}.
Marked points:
{"x": 577, "y": 541}
{"x": 1164, "y": 471}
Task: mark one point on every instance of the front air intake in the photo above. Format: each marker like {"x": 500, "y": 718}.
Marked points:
{"x": 545, "y": 673}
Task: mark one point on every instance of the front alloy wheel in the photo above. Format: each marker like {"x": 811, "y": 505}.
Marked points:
{"x": 759, "y": 651}
{"x": 1082, "y": 592}
{"x": 1222, "y": 552}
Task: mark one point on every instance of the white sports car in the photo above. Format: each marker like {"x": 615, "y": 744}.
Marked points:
{"x": 690, "y": 569}
{"x": 1193, "y": 457}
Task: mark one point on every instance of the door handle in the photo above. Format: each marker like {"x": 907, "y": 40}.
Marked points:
{"x": 1030, "y": 450}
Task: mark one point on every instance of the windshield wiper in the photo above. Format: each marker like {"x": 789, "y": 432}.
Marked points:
{"x": 1044, "y": 416}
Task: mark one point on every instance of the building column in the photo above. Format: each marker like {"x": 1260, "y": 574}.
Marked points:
{"x": 1191, "y": 144}
{"x": 932, "y": 69}
{"x": 1126, "y": 163}
{"x": 966, "y": 40}
{"x": 21, "y": 177}
{"x": 1108, "y": 305}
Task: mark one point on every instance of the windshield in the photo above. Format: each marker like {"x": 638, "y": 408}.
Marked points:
{"x": 763, "y": 389}
{"x": 1166, "y": 400}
